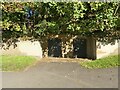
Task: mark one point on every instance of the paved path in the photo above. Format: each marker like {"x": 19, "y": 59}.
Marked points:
{"x": 61, "y": 75}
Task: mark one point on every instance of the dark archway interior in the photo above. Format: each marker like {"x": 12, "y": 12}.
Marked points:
{"x": 54, "y": 47}
{"x": 80, "y": 48}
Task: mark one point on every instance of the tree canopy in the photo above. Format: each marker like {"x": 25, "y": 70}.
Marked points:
{"x": 38, "y": 19}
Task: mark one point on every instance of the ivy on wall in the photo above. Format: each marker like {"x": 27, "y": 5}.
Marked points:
{"x": 33, "y": 20}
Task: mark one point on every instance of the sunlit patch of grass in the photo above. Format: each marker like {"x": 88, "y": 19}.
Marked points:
{"x": 110, "y": 61}
{"x": 16, "y": 63}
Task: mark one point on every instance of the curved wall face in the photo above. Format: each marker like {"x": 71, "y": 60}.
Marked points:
{"x": 106, "y": 50}
{"x": 26, "y": 48}
{"x": 29, "y": 48}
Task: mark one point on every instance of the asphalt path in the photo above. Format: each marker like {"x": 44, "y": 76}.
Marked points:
{"x": 61, "y": 75}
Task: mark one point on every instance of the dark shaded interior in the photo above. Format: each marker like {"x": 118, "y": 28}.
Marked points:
{"x": 54, "y": 47}
{"x": 80, "y": 48}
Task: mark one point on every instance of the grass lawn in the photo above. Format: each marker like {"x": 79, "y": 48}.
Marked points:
{"x": 110, "y": 61}
{"x": 16, "y": 63}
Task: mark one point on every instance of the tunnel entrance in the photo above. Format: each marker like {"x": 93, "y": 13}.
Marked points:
{"x": 54, "y": 47}
{"x": 80, "y": 48}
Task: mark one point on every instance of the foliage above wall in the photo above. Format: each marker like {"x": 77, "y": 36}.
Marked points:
{"x": 38, "y": 19}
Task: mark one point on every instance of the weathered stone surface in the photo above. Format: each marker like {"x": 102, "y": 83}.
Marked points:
{"x": 40, "y": 49}
{"x": 27, "y": 48}
{"x": 106, "y": 50}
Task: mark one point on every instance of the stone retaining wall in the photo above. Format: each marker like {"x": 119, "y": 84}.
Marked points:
{"x": 40, "y": 48}
{"x": 106, "y": 50}
{"x": 26, "y": 48}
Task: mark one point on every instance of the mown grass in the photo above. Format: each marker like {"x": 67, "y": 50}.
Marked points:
{"x": 16, "y": 63}
{"x": 107, "y": 62}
